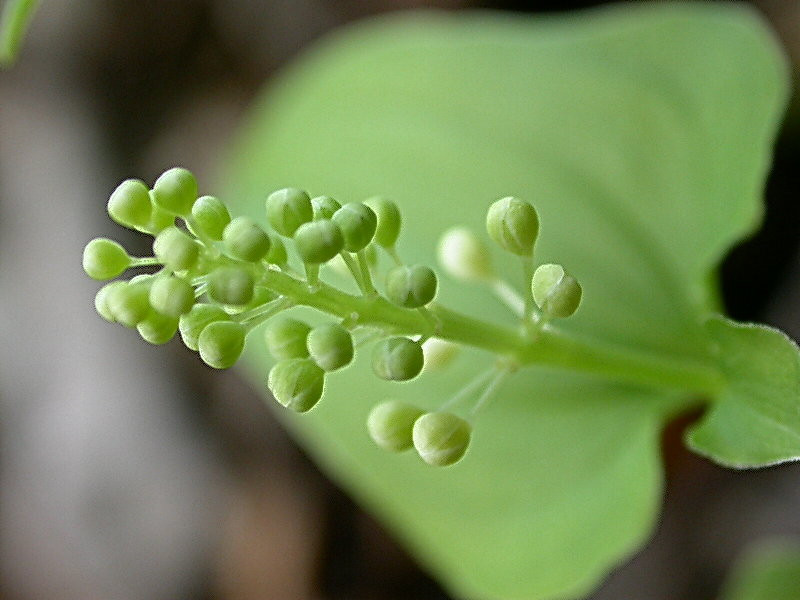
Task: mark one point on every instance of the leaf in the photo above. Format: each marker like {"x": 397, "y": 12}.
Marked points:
{"x": 642, "y": 135}
{"x": 756, "y": 420}
{"x": 14, "y": 21}
{"x": 770, "y": 571}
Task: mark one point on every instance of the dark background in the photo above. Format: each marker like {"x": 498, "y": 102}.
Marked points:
{"x": 134, "y": 473}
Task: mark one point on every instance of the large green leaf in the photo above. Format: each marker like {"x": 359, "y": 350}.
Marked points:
{"x": 642, "y": 134}
{"x": 768, "y": 571}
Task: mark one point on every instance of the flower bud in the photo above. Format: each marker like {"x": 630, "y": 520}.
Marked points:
{"x": 245, "y": 240}
{"x": 390, "y": 425}
{"x": 129, "y": 303}
{"x": 286, "y": 338}
{"x": 157, "y": 328}
{"x": 191, "y": 324}
{"x": 318, "y": 241}
{"x": 104, "y": 259}
{"x": 463, "y": 256}
{"x": 438, "y": 353}
{"x": 397, "y": 359}
{"x": 277, "y": 251}
{"x": 296, "y": 383}
{"x": 324, "y": 207}
{"x": 287, "y": 209}
{"x": 412, "y": 286}
{"x": 175, "y": 191}
{"x": 171, "y": 296}
{"x": 101, "y": 300}
{"x": 331, "y": 346}
{"x": 513, "y": 224}
{"x": 230, "y": 285}
{"x": 221, "y": 343}
{"x": 441, "y": 438}
{"x": 389, "y": 220}
{"x": 210, "y": 215}
{"x": 358, "y": 223}
{"x": 556, "y": 293}
{"x": 176, "y": 249}
{"x": 129, "y": 204}
{"x": 159, "y": 218}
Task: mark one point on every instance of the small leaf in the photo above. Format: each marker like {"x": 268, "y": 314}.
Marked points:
{"x": 770, "y": 571}
{"x": 755, "y": 421}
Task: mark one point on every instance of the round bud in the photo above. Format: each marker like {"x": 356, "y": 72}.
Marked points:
{"x": 556, "y": 293}
{"x": 397, "y": 359}
{"x": 287, "y": 209}
{"x": 318, "y": 241}
{"x": 175, "y": 191}
{"x": 171, "y": 296}
{"x": 412, "y": 286}
{"x": 245, "y": 240}
{"x": 286, "y": 338}
{"x": 230, "y": 285}
{"x": 191, "y": 324}
{"x": 296, "y": 383}
{"x": 261, "y": 296}
{"x": 211, "y": 216}
{"x": 176, "y": 249}
{"x": 159, "y": 218}
{"x": 438, "y": 353}
{"x": 129, "y": 204}
{"x": 324, "y": 207}
{"x": 389, "y": 220}
{"x": 358, "y": 223}
{"x": 441, "y": 438}
{"x": 104, "y": 259}
{"x": 277, "y": 252}
{"x": 390, "y": 425}
{"x": 463, "y": 256}
{"x": 129, "y": 303}
{"x": 157, "y": 328}
{"x": 101, "y": 300}
{"x": 513, "y": 224}
{"x": 221, "y": 343}
{"x": 331, "y": 346}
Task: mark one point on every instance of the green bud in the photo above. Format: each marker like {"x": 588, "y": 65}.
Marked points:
{"x": 129, "y": 204}
{"x": 331, "y": 346}
{"x": 245, "y": 240}
{"x": 513, "y": 224}
{"x": 557, "y": 293}
{"x": 191, "y": 324}
{"x": 230, "y": 285}
{"x": 104, "y": 259}
{"x": 397, "y": 359}
{"x": 412, "y": 286}
{"x": 277, "y": 252}
{"x": 159, "y": 218}
{"x": 463, "y": 256}
{"x": 211, "y": 215}
{"x": 390, "y": 425}
{"x": 324, "y": 207}
{"x": 286, "y": 338}
{"x": 297, "y": 383}
{"x": 129, "y": 303}
{"x": 358, "y": 223}
{"x": 389, "y": 220}
{"x": 438, "y": 353}
{"x": 318, "y": 241}
{"x": 441, "y": 438}
{"x": 287, "y": 209}
{"x": 175, "y": 191}
{"x": 157, "y": 328}
{"x": 101, "y": 300}
{"x": 176, "y": 249}
{"x": 261, "y": 296}
{"x": 221, "y": 343}
{"x": 171, "y": 296}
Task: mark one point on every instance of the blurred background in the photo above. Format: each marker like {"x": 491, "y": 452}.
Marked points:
{"x": 129, "y": 473}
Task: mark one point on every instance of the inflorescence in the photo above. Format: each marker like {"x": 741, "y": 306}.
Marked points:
{"x": 219, "y": 278}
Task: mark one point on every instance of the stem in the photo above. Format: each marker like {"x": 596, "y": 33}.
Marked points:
{"x": 492, "y": 389}
{"x": 509, "y": 296}
{"x": 145, "y": 261}
{"x": 527, "y": 274}
{"x": 467, "y": 389}
{"x": 550, "y": 347}
{"x": 253, "y": 318}
{"x": 366, "y": 277}
{"x": 354, "y": 271}
{"x": 392, "y": 252}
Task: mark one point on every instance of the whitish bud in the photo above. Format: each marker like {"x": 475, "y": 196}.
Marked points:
{"x": 438, "y": 353}
{"x": 463, "y": 256}
{"x": 297, "y": 383}
{"x": 513, "y": 224}
{"x": 441, "y": 438}
{"x": 390, "y": 425}
{"x": 557, "y": 293}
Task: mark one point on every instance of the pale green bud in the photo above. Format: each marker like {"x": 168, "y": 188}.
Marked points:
{"x": 390, "y": 425}
{"x": 157, "y": 328}
{"x": 411, "y": 286}
{"x": 128, "y": 303}
{"x": 557, "y": 293}
{"x": 176, "y": 249}
{"x": 331, "y": 346}
{"x": 101, "y": 300}
{"x": 175, "y": 191}
{"x": 191, "y": 324}
{"x": 171, "y": 296}
{"x": 324, "y": 207}
{"x": 318, "y": 241}
{"x": 357, "y": 222}
{"x": 277, "y": 251}
{"x": 104, "y": 259}
{"x": 245, "y": 240}
{"x": 441, "y": 438}
{"x": 129, "y": 204}
{"x": 513, "y": 224}
{"x": 389, "y": 220}
{"x": 287, "y": 209}
{"x": 286, "y": 338}
{"x": 221, "y": 343}
{"x": 463, "y": 256}
{"x": 397, "y": 359}
{"x": 210, "y": 215}
{"x": 297, "y": 383}
{"x": 230, "y": 285}
{"x": 438, "y": 353}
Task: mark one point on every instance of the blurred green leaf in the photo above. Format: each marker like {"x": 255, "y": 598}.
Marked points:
{"x": 770, "y": 571}
{"x": 642, "y": 134}
{"x": 14, "y": 21}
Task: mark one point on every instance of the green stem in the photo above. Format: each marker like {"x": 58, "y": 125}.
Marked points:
{"x": 354, "y": 271}
{"x": 527, "y": 274}
{"x": 550, "y": 347}
{"x": 366, "y": 277}
{"x": 14, "y": 21}
{"x": 145, "y": 261}
{"x": 508, "y": 296}
{"x": 255, "y": 317}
